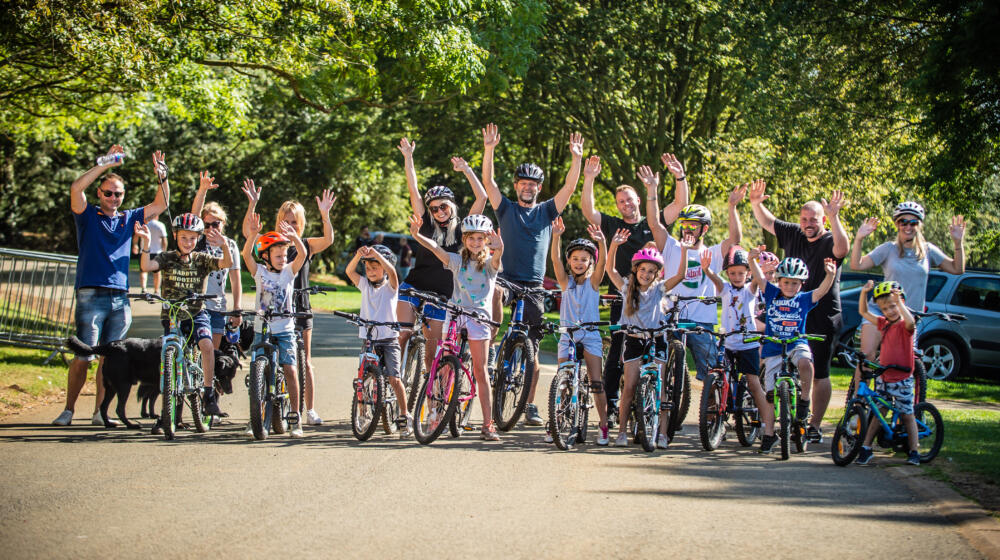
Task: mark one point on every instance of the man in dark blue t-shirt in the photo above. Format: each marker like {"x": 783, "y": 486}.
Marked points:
{"x": 526, "y": 228}
{"x": 103, "y": 237}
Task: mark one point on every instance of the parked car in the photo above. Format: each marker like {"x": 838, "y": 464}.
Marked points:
{"x": 950, "y": 349}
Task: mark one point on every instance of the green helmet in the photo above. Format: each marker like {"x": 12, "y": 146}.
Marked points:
{"x": 886, "y": 288}
{"x": 696, "y": 212}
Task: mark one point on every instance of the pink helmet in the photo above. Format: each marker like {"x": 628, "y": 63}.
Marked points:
{"x": 768, "y": 256}
{"x": 648, "y": 254}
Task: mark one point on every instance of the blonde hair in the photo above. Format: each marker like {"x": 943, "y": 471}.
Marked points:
{"x": 621, "y": 188}
{"x": 479, "y": 259}
{"x": 214, "y": 209}
{"x": 446, "y": 236}
{"x": 290, "y": 206}
{"x": 919, "y": 243}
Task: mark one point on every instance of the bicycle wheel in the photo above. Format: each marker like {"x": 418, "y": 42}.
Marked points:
{"x": 411, "y": 370}
{"x": 437, "y": 400}
{"x": 930, "y": 428}
{"x": 259, "y": 411}
{"x": 585, "y": 402}
{"x": 366, "y": 411}
{"x": 920, "y": 380}
{"x": 711, "y": 423}
{"x": 279, "y": 406}
{"x": 677, "y": 368}
{"x": 460, "y": 420}
{"x": 747, "y": 415}
{"x": 785, "y": 419}
{"x": 510, "y": 394}
{"x": 849, "y": 435}
{"x": 390, "y": 412}
{"x": 646, "y": 422}
{"x": 300, "y": 362}
{"x": 202, "y": 423}
{"x": 562, "y": 410}
{"x": 168, "y": 376}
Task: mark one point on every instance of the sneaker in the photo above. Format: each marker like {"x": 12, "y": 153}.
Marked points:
{"x": 98, "y": 421}
{"x": 407, "y": 430}
{"x": 296, "y": 430}
{"x": 548, "y": 437}
{"x": 489, "y": 432}
{"x": 312, "y": 418}
{"x": 531, "y": 417}
{"x": 913, "y": 458}
{"x": 249, "y": 431}
{"x": 802, "y": 411}
{"x": 662, "y": 442}
{"x": 814, "y": 435}
{"x": 210, "y": 403}
{"x": 603, "y": 440}
{"x": 65, "y": 419}
{"x": 157, "y": 429}
{"x": 767, "y": 443}
{"x": 622, "y": 440}
{"x": 865, "y": 457}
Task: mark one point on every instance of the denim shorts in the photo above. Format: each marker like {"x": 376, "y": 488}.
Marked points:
{"x": 201, "y": 323}
{"x": 389, "y": 349}
{"x": 102, "y": 315}
{"x": 591, "y": 341}
{"x": 703, "y": 350}
{"x": 430, "y": 311}
{"x": 286, "y": 347}
{"x": 218, "y": 321}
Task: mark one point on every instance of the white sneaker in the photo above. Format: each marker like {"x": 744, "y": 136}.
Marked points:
{"x": 312, "y": 418}
{"x": 98, "y": 421}
{"x": 548, "y": 437}
{"x": 622, "y": 440}
{"x": 662, "y": 442}
{"x": 603, "y": 438}
{"x": 65, "y": 419}
{"x": 408, "y": 430}
{"x": 249, "y": 430}
{"x": 296, "y": 431}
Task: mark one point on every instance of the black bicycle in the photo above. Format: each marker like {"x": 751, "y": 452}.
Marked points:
{"x": 516, "y": 360}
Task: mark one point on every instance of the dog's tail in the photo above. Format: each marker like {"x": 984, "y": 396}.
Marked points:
{"x": 146, "y": 390}
{"x": 80, "y": 348}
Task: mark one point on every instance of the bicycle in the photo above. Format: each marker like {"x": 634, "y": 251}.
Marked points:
{"x": 786, "y": 394}
{"x": 569, "y": 395}
{"x": 372, "y": 398}
{"x": 517, "y": 360}
{"x": 416, "y": 346}
{"x": 269, "y": 398}
{"x": 649, "y": 398}
{"x": 677, "y": 375}
{"x": 300, "y": 347}
{"x": 852, "y": 428}
{"x": 181, "y": 376}
{"x": 724, "y": 393}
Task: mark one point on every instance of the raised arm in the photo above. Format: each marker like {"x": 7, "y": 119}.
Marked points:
{"x": 145, "y": 264}
{"x": 415, "y": 223}
{"x": 841, "y": 245}
{"x": 956, "y": 265}
{"x": 652, "y": 182}
{"x": 677, "y": 278}
{"x": 300, "y": 247}
{"x": 390, "y": 270}
{"x": 495, "y": 244}
{"x": 320, "y": 244}
{"x": 215, "y": 237}
{"x": 831, "y": 273}
{"x": 859, "y": 262}
{"x": 479, "y": 204}
{"x": 491, "y": 137}
{"x": 706, "y": 268}
{"x": 205, "y": 184}
{"x": 159, "y": 204}
{"x": 253, "y": 196}
{"x": 735, "y": 227}
{"x": 620, "y": 237}
{"x": 602, "y": 256}
{"x": 590, "y": 172}
{"x": 904, "y": 312}
{"x": 555, "y": 253}
{"x": 755, "y": 271}
{"x": 863, "y": 303}
{"x": 416, "y": 202}
{"x": 573, "y": 177}
{"x": 757, "y": 197}
{"x": 681, "y": 195}
{"x": 352, "y": 267}
{"x": 77, "y": 198}
{"x": 252, "y": 229}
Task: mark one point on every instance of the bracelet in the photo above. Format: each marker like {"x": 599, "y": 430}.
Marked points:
{"x": 144, "y": 251}
{"x": 650, "y": 198}
{"x": 684, "y": 178}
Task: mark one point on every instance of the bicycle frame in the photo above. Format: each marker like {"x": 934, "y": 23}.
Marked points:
{"x": 876, "y": 402}
{"x": 452, "y": 344}
{"x": 269, "y": 349}
{"x": 185, "y": 356}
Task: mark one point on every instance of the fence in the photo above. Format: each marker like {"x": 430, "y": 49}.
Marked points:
{"x": 37, "y": 299}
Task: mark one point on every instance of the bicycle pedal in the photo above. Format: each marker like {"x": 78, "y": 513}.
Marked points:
{"x": 292, "y": 417}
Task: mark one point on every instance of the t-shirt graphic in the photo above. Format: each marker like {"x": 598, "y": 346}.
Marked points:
{"x": 693, "y": 276}
{"x": 786, "y": 317}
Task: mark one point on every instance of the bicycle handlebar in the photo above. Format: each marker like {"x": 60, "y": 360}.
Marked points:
{"x": 313, "y": 290}
{"x": 357, "y": 320}
{"x": 521, "y": 292}
{"x": 949, "y": 317}
{"x": 448, "y": 306}
{"x": 153, "y": 298}
{"x": 786, "y": 341}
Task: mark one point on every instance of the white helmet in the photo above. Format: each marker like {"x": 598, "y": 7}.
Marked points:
{"x": 792, "y": 268}
{"x": 908, "y": 207}
{"x": 476, "y": 223}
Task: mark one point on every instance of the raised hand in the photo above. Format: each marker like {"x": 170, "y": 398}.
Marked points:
{"x": 756, "y": 251}
{"x": 284, "y": 228}
{"x": 648, "y": 178}
{"x": 957, "y": 228}
{"x": 757, "y": 192}
{"x": 593, "y": 167}
{"x": 491, "y": 136}
{"x": 576, "y": 144}
{"x": 141, "y": 230}
{"x": 459, "y": 164}
{"x": 324, "y": 204}
{"x": 364, "y": 252}
{"x": 869, "y": 285}
{"x": 837, "y": 201}
{"x": 673, "y": 165}
{"x": 407, "y": 147}
{"x": 116, "y": 149}
{"x": 254, "y": 224}
{"x": 706, "y": 259}
{"x": 768, "y": 266}
{"x": 867, "y": 227}
{"x": 595, "y": 233}
{"x": 896, "y": 296}
{"x": 738, "y": 194}
{"x": 558, "y": 227}
{"x": 494, "y": 241}
{"x": 214, "y": 236}
{"x": 252, "y": 192}
{"x": 415, "y": 223}
{"x": 621, "y": 236}
{"x": 830, "y": 266}
{"x": 160, "y": 165}
{"x": 205, "y": 182}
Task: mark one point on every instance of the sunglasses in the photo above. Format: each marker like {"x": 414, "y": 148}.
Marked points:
{"x": 907, "y": 222}
{"x": 213, "y": 224}
{"x": 690, "y": 225}
{"x": 438, "y": 208}
{"x": 112, "y": 194}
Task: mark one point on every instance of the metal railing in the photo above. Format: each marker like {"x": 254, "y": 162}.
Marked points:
{"x": 37, "y": 299}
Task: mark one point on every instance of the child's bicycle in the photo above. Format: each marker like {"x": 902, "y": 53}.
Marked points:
{"x": 677, "y": 376}
{"x": 269, "y": 399}
{"x": 181, "y": 376}
{"x": 786, "y": 394}
{"x": 569, "y": 395}
{"x": 412, "y": 359}
{"x": 850, "y": 432}
{"x": 300, "y": 346}
{"x": 647, "y": 404}
{"x": 516, "y": 360}
{"x": 373, "y": 399}
{"x": 725, "y": 393}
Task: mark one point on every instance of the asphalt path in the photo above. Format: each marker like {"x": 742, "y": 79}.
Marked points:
{"x": 83, "y": 491}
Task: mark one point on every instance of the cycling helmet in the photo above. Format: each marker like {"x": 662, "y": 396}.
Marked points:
{"x": 232, "y": 333}
{"x": 386, "y": 253}
{"x": 696, "y": 212}
{"x": 266, "y": 241}
{"x": 736, "y": 257}
{"x": 908, "y": 207}
{"x": 886, "y": 288}
{"x": 529, "y": 171}
{"x": 768, "y": 256}
{"x": 647, "y": 254}
{"x": 581, "y": 244}
{"x": 188, "y": 222}
{"x": 476, "y": 223}
{"x": 792, "y": 268}
{"x": 437, "y": 193}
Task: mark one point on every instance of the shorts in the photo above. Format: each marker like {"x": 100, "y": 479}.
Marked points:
{"x": 590, "y": 340}
{"x": 746, "y": 361}
{"x": 900, "y": 393}
{"x": 432, "y": 312}
{"x": 218, "y": 321}
{"x": 474, "y": 329}
{"x": 201, "y": 323}
{"x": 772, "y": 364}
{"x": 633, "y": 347}
{"x": 534, "y": 308}
{"x": 823, "y": 351}
{"x": 388, "y": 348}
{"x": 703, "y": 350}
{"x": 102, "y": 315}
{"x": 286, "y": 347}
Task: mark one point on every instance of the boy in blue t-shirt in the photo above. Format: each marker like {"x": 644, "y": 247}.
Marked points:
{"x": 787, "y": 307}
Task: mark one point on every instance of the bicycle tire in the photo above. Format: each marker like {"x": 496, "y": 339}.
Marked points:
{"x": 390, "y": 413}
{"x": 168, "y": 404}
{"x": 585, "y": 399}
{"x": 411, "y": 371}
{"x": 431, "y": 415}
{"x": 562, "y": 412}
{"x": 677, "y": 373}
{"x": 785, "y": 419}
{"x": 644, "y": 403}
{"x": 201, "y": 422}
{"x": 920, "y": 379}
{"x": 280, "y": 404}
{"x": 922, "y": 411}
{"x": 300, "y": 358}
{"x": 460, "y": 420}
{"x": 365, "y": 415}
{"x": 510, "y": 397}
{"x": 711, "y": 421}
{"x": 849, "y": 435}
{"x": 747, "y": 415}
{"x": 259, "y": 411}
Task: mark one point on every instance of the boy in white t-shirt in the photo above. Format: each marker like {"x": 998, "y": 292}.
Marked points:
{"x": 379, "y": 296}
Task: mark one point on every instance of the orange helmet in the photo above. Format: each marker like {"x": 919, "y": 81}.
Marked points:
{"x": 268, "y": 240}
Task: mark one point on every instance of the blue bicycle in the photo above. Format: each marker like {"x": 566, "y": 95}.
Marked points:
{"x": 569, "y": 395}
{"x": 517, "y": 360}
{"x": 269, "y": 399}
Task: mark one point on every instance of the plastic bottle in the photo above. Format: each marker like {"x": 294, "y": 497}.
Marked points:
{"x": 108, "y": 159}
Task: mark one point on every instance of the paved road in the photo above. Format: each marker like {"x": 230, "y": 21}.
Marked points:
{"x": 83, "y": 491}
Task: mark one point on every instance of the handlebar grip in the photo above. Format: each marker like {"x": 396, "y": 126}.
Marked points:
{"x": 404, "y": 325}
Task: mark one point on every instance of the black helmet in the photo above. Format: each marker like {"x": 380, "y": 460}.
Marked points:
{"x": 736, "y": 257}
{"x": 438, "y": 192}
{"x": 581, "y": 244}
{"x": 529, "y": 171}
{"x": 385, "y": 252}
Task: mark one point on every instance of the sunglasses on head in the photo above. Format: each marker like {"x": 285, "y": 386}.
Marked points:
{"x": 112, "y": 194}
{"x": 213, "y": 224}
{"x": 907, "y": 222}
{"x": 438, "y": 208}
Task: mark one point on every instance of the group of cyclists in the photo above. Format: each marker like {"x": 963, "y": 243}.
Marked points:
{"x": 468, "y": 268}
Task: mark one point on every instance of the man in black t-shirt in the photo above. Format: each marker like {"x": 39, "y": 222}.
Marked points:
{"x": 810, "y": 241}
{"x": 627, "y": 201}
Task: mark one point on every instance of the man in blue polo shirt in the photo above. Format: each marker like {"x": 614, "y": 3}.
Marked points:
{"x": 526, "y": 229}
{"x": 103, "y": 238}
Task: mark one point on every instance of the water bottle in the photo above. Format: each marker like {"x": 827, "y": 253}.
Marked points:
{"x": 108, "y": 159}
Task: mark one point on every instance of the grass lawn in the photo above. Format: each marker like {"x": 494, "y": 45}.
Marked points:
{"x": 24, "y": 379}
{"x": 974, "y": 390}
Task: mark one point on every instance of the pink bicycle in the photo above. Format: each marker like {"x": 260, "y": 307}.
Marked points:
{"x": 444, "y": 387}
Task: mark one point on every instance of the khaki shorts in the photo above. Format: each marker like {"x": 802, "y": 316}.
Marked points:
{"x": 772, "y": 364}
